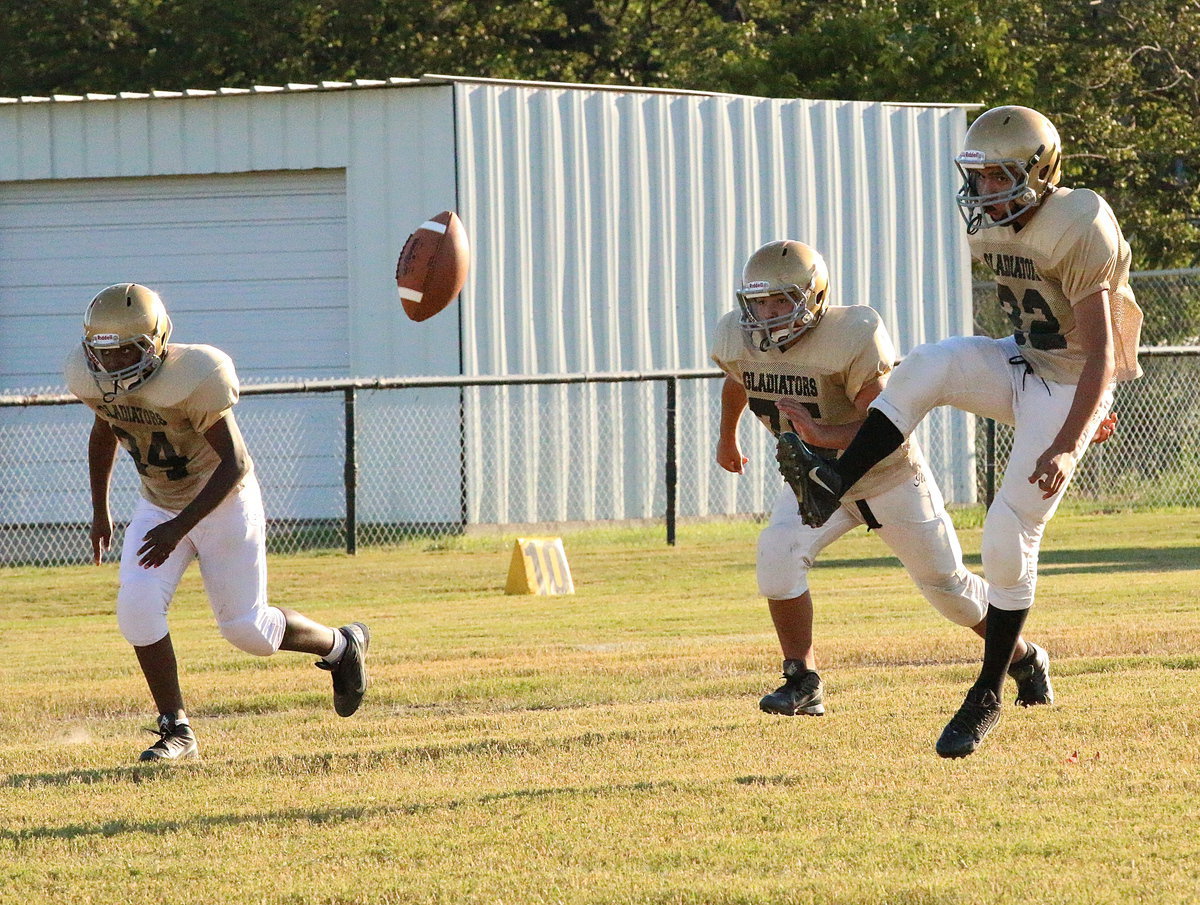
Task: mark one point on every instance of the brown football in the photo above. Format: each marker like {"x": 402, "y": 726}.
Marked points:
{"x": 433, "y": 266}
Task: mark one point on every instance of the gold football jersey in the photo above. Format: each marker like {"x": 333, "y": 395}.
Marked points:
{"x": 1069, "y": 250}
{"x": 162, "y": 422}
{"x": 826, "y": 369}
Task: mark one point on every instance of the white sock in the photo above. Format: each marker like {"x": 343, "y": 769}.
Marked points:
{"x": 339, "y": 648}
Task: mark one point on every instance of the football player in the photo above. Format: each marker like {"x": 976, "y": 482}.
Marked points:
{"x": 1061, "y": 267}
{"x": 802, "y": 365}
{"x": 171, "y": 406}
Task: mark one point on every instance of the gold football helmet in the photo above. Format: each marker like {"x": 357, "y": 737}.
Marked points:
{"x": 125, "y": 334}
{"x": 790, "y": 270}
{"x": 1026, "y": 145}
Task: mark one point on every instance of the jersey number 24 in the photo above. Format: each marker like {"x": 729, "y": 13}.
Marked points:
{"x": 161, "y": 454}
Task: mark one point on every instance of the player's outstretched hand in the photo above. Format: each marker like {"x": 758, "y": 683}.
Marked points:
{"x": 1105, "y": 428}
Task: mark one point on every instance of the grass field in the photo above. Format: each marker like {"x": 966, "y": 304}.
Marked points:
{"x": 607, "y": 746}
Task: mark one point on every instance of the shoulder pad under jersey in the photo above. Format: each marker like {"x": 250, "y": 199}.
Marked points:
{"x": 79, "y": 378}
{"x": 198, "y": 376}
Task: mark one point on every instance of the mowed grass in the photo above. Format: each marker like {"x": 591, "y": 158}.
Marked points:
{"x": 607, "y": 746}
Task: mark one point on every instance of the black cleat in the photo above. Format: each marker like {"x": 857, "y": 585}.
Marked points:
{"x": 350, "y": 672}
{"x": 176, "y": 741}
{"x": 816, "y": 485}
{"x": 978, "y": 715}
{"x": 801, "y": 692}
{"x": 1032, "y": 673}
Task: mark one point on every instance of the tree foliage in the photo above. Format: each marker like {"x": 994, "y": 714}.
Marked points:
{"x": 74, "y": 47}
{"x": 1121, "y": 79}
{"x": 1127, "y": 102}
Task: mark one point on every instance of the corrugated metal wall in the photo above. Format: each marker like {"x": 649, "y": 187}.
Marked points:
{"x": 254, "y": 264}
{"x": 229, "y": 254}
{"x": 609, "y": 229}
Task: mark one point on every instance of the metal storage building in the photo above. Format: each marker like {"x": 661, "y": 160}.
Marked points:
{"x": 608, "y": 227}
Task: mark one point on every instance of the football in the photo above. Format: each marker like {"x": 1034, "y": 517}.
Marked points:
{"x": 433, "y": 266}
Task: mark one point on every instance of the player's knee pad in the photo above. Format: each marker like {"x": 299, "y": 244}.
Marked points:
{"x": 959, "y": 596}
{"x": 1010, "y": 550}
{"x": 142, "y": 609}
{"x": 257, "y": 633}
{"x": 931, "y": 553}
{"x": 782, "y": 568}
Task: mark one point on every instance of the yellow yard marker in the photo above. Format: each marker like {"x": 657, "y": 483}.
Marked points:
{"x": 539, "y": 566}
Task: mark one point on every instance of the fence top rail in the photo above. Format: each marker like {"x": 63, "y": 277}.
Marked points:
{"x": 1165, "y": 351}
{"x": 341, "y": 384}
{"x": 1135, "y": 275}
{"x": 1173, "y": 272}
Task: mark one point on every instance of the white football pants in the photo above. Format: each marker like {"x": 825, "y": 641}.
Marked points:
{"x": 974, "y": 373}
{"x": 912, "y": 522}
{"x": 230, "y": 543}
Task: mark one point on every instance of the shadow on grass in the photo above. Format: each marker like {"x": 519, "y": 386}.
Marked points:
{"x": 159, "y": 827}
{"x": 1120, "y": 559}
{"x": 1090, "y": 666}
{"x": 775, "y": 780}
{"x": 142, "y": 773}
{"x": 325, "y": 762}
{"x": 316, "y": 816}
{"x": 1075, "y": 562}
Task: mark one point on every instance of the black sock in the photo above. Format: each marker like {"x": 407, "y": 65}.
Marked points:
{"x": 875, "y": 441}
{"x": 1003, "y": 630}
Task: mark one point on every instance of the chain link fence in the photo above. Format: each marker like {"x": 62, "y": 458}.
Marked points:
{"x": 351, "y": 463}
{"x": 1154, "y": 457}
{"x": 1152, "y": 460}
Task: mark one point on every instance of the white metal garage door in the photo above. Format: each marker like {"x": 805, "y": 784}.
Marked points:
{"x": 254, "y": 264}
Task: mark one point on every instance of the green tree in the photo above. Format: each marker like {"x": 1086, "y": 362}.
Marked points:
{"x": 904, "y": 50}
{"x": 73, "y": 47}
{"x": 1123, "y": 86}
{"x": 1119, "y": 78}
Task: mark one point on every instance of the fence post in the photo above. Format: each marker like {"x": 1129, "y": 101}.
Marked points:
{"x": 672, "y": 465}
{"x": 463, "y": 512}
{"x": 350, "y": 474}
{"x": 989, "y": 463}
